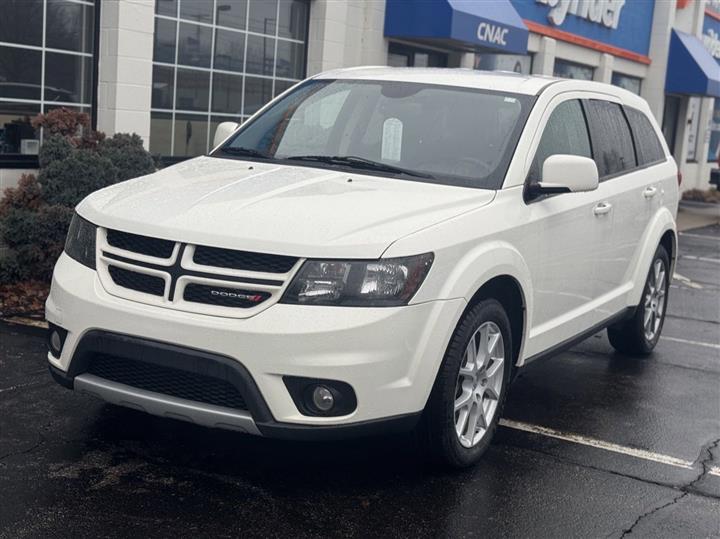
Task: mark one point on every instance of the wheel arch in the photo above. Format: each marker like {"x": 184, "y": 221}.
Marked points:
{"x": 507, "y": 290}
{"x": 660, "y": 231}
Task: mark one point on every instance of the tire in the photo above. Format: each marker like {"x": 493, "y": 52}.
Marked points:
{"x": 638, "y": 335}
{"x": 485, "y": 320}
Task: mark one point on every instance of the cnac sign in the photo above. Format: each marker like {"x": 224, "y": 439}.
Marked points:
{"x": 605, "y": 12}
{"x": 492, "y": 33}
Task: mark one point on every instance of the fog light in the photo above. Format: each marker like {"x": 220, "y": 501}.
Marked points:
{"x": 55, "y": 341}
{"x": 323, "y": 399}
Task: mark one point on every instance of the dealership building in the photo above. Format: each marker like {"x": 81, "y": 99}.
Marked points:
{"x": 172, "y": 70}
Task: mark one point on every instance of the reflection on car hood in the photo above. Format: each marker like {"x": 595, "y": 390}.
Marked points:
{"x": 265, "y": 207}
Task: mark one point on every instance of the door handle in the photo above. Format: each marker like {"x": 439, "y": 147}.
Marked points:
{"x": 650, "y": 192}
{"x": 602, "y": 208}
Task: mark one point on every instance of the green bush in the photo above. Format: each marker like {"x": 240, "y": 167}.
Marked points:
{"x": 67, "y": 181}
{"x": 127, "y": 154}
{"x": 74, "y": 162}
{"x": 55, "y": 148}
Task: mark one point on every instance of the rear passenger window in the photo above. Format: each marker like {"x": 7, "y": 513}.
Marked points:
{"x": 565, "y": 133}
{"x": 649, "y": 149}
{"x": 611, "y": 140}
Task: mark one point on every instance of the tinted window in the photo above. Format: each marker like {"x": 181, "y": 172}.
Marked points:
{"x": 612, "y": 143}
{"x": 649, "y": 149}
{"x": 457, "y": 136}
{"x": 565, "y": 133}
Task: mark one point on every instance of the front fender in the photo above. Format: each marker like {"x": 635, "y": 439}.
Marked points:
{"x": 661, "y": 222}
{"x": 460, "y": 273}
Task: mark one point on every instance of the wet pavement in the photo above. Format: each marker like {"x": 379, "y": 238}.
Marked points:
{"x": 594, "y": 444}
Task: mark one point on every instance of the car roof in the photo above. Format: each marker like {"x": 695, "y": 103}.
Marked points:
{"x": 503, "y": 81}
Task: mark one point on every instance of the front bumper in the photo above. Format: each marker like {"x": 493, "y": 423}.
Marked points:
{"x": 388, "y": 355}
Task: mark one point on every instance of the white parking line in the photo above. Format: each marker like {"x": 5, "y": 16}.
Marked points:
{"x": 607, "y": 446}
{"x": 699, "y": 236}
{"x": 696, "y": 343}
{"x": 701, "y": 258}
{"x": 686, "y": 281}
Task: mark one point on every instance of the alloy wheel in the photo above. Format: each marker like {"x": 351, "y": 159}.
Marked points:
{"x": 479, "y": 384}
{"x": 654, "y": 300}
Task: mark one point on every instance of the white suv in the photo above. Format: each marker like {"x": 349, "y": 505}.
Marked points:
{"x": 376, "y": 249}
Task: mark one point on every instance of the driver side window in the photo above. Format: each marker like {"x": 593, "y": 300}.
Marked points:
{"x": 565, "y": 133}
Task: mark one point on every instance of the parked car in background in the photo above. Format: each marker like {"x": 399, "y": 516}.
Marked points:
{"x": 376, "y": 249}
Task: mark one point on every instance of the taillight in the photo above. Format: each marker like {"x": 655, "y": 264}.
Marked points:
{"x": 679, "y": 178}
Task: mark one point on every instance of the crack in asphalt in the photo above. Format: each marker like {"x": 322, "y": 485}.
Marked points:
{"x": 32, "y": 448}
{"x": 567, "y": 460}
{"x": 685, "y": 489}
{"x": 704, "y": 463}
{"x": 645, "y": 515}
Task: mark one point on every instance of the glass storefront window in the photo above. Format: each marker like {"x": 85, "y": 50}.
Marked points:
{"x": 627, "y": 82}
{"x": 218, "y": 61}
{"x": 570, "y": 70}
{"x": 400, "y": 55}
{"x": 693, "y": 128}
{"x": 66, "y": 51}
{"x": 714, "y": 151}
{"x": 504, "y": 62}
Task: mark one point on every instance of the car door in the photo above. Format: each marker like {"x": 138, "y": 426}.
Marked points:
{"x": 561, "y": 236}
{"x": 622, "y": 184}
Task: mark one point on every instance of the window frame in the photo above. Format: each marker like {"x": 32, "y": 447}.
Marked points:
{"x": 621, "y": 105}
{"x": 19, "y": 161}
{"x": 537, "y": 137}
{"x": 208, "y": 113}
{"x": 583, "y": 99}
{"x": 657, "y": 137}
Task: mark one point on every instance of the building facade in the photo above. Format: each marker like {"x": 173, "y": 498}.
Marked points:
{"x": 171, "y": 70}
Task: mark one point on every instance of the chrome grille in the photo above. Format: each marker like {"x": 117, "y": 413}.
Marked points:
{"x": 141, "y": 282}
{"x": 243, "y": 260}
{"x": 140, "y": 244}
{"x": 181, "y": 276}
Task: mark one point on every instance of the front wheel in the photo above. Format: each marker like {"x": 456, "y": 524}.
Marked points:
{"x": 469, "y": 392}
{"x": 641, "y": 333}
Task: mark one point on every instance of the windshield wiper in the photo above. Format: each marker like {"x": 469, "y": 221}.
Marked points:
{"x": 359, "y": 163}
{"x": 249, "y": 152}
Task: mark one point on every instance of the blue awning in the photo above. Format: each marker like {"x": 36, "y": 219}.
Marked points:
{"x": 465, "y": 24}
{"x": 691, "y": 68}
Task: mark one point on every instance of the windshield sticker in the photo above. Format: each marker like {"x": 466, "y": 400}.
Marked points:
{"x": 392, "y": 139}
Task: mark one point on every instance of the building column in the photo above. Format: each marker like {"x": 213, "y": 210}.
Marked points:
{"x": 344, "y": 34}
{"x": 125, "y": 67}
{"x": 703, "y": 143}
{"x": 653, "y": 86}
{"x": 681, "y": 136}
{"x": 544, "y": 60}
{"x": 604, "y": 70}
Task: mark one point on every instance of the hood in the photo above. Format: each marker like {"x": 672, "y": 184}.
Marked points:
{"x": 280, "y": 209}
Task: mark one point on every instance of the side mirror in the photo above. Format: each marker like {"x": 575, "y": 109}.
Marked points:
{"x": 566, "y": 174}
{"x": 223, "y": 131}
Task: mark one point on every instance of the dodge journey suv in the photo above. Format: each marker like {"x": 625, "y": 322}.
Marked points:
{"x": 376, "y": 249}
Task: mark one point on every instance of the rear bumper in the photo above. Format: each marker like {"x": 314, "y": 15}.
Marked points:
{"x": 389, "y": 356}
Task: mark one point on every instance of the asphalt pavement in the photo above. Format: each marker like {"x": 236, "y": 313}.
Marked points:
{"x": 592, "y": 444}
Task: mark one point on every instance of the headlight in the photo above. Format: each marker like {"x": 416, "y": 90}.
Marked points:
{"x": 80, "y": 241}
{"x": 375, "y": 283}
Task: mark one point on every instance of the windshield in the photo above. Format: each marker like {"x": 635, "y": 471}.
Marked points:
{"x": 424, "y": 132}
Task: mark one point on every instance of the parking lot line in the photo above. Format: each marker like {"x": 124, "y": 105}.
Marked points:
{"x": 607, "y": 446}
{"x": 599, "y": 444}
{"x": 701, "y": 258}
{"x": 699, "y": 236}
{"x": 696, "y": 343}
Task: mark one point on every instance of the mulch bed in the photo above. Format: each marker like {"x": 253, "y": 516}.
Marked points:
{"x": 25, "y": 299}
